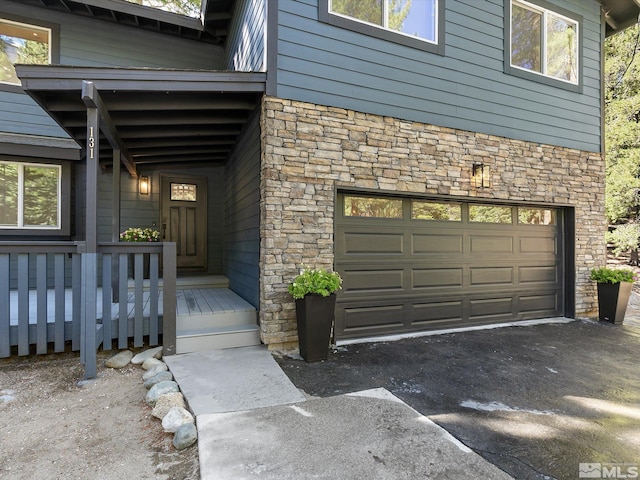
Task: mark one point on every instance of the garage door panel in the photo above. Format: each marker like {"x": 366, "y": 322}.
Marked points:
{"x": 358, "y": 281}
{"x": 423, "y": 244}
{"x": 480, "y": 244}
{"x": 537, "y": 245}
{"x": 426, "y": 278}
{"x": 538, "y": 303}
{"x": 488, "y": 276}
{"x": 378, "y": 243}
{"x": 491, "y": 307}
{"x": 538, "y": 274}
{"x": 431, "y": 313}
{"x": 373, "y": 319}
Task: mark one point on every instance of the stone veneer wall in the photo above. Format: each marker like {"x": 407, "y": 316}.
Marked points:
{"x": 309, "y": 152}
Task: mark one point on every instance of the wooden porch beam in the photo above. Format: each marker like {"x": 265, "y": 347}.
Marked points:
{"x": 91, "y": 98}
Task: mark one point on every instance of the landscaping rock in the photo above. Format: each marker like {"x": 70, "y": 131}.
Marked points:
{"x": 153, "y": 371}
{"x": 160, "y": 389}
{"x": 175, "y": 418}
{"x": 150, "y": 363}
{"x": 119, "y": 360}
{"x": 186, "y": 435}
{"x": 142, "y": 356}
{"x": 166, "y": 402}
{"x": 159, "y": 377}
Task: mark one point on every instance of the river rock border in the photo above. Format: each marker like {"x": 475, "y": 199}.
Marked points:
{"x": 163, "y": 396}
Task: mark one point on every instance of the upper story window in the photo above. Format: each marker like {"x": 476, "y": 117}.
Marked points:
{"x": 544, "y": 42}
{"x": 416, "y": 23}
{"x": 30, "y": 196}
{"x": 22, "y": 43}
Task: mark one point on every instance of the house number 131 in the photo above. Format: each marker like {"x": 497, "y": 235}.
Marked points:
{"x": 92, "y": 142}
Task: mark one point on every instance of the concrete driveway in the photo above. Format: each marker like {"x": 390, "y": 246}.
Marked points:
{"x": 536, "y": 401}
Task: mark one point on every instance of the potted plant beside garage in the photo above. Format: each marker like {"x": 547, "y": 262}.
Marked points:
{"x": 314, "y": 291}
{"x": 614, "y": 290}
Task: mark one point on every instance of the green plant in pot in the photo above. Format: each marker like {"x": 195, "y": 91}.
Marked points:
{"x": 614, "y": 290}
{"x": 314, "y": 291}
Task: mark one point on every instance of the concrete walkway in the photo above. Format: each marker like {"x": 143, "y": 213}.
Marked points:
{"x": 254, "y": 423}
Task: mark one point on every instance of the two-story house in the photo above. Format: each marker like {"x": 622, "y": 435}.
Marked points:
{"x": 444, "y": 156}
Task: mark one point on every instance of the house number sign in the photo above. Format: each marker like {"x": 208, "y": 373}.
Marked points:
{"x": 92, "y": 142}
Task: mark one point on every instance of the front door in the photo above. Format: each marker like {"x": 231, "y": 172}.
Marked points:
{"x": 184, "y": 219}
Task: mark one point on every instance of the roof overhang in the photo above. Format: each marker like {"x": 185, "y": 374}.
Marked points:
{"x": 211, "y": 27}
{"x": 620, "y": 14}
{"x": 153, "y": 116}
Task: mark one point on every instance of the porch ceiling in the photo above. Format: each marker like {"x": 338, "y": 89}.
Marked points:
{"x": 170, "y": 117}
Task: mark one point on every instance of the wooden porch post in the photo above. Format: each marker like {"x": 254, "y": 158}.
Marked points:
{"x": 115, "y": 227}
{"x": 90, "y": 256}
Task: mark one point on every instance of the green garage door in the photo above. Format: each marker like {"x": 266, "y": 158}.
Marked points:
{"x": 414, "y": 264}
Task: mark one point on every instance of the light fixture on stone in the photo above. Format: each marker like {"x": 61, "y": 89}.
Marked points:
{"x": 480, "y": 175}
{"x": 144, "y": 185}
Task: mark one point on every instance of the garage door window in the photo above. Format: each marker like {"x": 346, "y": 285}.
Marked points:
{"x": 489, "y": 214}
{"x": 536, "y": 216}
{"x": 375, "y": 207}
{"x": 448, "y": 212}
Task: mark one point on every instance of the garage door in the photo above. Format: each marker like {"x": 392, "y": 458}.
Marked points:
{"x": 414, "y": 264}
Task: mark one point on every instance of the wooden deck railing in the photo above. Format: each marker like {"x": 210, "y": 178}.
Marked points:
{"x": 42, "y": 294}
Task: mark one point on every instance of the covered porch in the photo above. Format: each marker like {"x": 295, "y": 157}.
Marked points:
{"x": 154, "y": 123}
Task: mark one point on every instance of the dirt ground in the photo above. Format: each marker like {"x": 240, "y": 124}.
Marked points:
{"x": 58, "y": 428}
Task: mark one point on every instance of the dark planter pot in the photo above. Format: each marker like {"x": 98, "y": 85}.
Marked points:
{"x": 315, "y": 318}
{"x": 612, "y": 301}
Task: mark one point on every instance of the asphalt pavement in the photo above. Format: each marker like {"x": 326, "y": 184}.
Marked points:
{"x": 559, "y": 400}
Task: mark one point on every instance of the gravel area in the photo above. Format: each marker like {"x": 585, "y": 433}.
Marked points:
{"x": 57, "y": 426}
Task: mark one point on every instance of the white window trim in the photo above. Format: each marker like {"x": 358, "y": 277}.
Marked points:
{"x": 545, "y": 12}
{"x": 385, "y": 21}
{"x": 20, "y": 224}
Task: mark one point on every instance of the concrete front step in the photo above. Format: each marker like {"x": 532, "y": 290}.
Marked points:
{"x": 216, "y": 320}
{"x": 203, "y": 340}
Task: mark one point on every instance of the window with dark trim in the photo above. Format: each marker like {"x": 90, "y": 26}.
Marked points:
{"x": 24, "y": 41}
{"x": 543, "y": 43}
{"x": 35, "y": 198}
{"x": 418, "y": 24}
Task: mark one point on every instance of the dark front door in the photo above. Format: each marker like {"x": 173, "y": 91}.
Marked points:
{"x": 414, "y": 264}
{"x": 184, "y": 219}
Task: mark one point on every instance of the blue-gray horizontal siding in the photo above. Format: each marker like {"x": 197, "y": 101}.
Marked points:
{"x": 246, "y": 39}
{"x": 242, "y": 216}
{"x": 87, "y": 42}
{"x": 465, "y": 89}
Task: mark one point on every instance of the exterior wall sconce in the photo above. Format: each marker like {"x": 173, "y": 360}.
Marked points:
{"x": 480, "y": 175}
{"x": 144, "y": 185}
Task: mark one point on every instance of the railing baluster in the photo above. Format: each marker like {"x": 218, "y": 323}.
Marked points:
{"x": 138, "y": 299}
{"x": 5, "y": 309}
{"x": 123, "y": 302}
{"x": 23, "y": 304}
{"x": 60, "y": 302}
{"x": 76, "y": 266}
{"x": 153, "y": 299}
{"x": 41, "y": 302}
{"x": 107, "y": 259}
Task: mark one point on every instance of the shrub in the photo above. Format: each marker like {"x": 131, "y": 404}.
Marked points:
{"x": 315, "y": 281}
{"x": 624, "y": 238}
{"x": 610, "y": 275}
{"x": 140, "y": 235}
